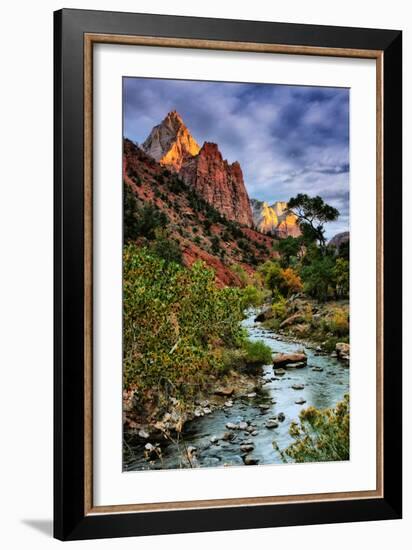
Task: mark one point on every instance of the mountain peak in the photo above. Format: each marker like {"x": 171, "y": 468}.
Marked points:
{"x": 275, "y": 219}
{"x": 218, "y": 182}
{"x": 175, "y": 118}
{"x": 170, "y": 142}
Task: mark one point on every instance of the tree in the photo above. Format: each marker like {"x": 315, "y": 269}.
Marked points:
{"x": 215, "y": 244}
{"x": 166, "y": 248}
{"x": 312, "y": 214}
{"x": 291, "y": 282}
{"x": 319, "y": 278}
{"x": 130, "y": 215}
{"x": 341, "y": 273}
{"x": 274, "y": 278}
{"x": 288, "y": 248}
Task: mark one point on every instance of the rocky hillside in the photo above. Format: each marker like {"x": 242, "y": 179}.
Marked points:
{"x": 274, "y": 219}
{"x": 218, "y": 182}
{"x": 339, "y": 241}
{"x": 190, "y": 221}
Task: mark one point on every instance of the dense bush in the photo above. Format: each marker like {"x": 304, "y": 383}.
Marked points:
{"x": 176, "y": 321}
{"x": 250, "y": 354}
{"x": 252, "y": 296}
{"x": 256, "y": 352}
{"x": 338, "y": 324}
{"x": 166, "y": 248}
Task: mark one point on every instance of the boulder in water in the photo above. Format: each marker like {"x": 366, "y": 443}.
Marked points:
{"x": 300, "y": 401}
{"x": 285, "y": 359}
{"x": 250, "y": 460}
{"x": 270, "y": 424}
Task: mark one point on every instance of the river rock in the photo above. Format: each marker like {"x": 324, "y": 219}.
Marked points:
{"x": 143, "y": 434}
{"x": 246, "y": 448}
{"x": 264, "y": 407}
{"x": 317, "y": 369}
{"x": 250, "y": 460}
{"x": 264, "y": 315}
{"x": 150, "y": 451}
{"x": 279, "y": 372}
{"x": 343, "y": 350}
{"x": 281, "y": 417}
{"x": 297, "y": 386}
{"x": 251, "y": 395}
{"x": 191, "y": 451}
{"x": 224, "y": 392}
{"x": 228, "y": 436}
{"x": 198, "y": 412}
{"x": 231, "y": 426}
{"x": 300, "y": 401}
{"x": 229, "y": 403}
{"x": 295, "y": 318}
{"x": 214, "y": 439}
{"x": 271, "y": 424}
{"x": 298, "y": 365}
{"x": 254, "y": 433}
{"x": 284, "y": 359}
{"x": 242, "y": 426}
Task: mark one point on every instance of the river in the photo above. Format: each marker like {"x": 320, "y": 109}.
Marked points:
{"x": 321, "y": 388}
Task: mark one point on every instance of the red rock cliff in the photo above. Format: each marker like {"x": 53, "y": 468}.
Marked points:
{"x": 220, "y": 183}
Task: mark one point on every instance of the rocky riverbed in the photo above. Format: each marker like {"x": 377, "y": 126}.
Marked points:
{"x": 243, "y": 429}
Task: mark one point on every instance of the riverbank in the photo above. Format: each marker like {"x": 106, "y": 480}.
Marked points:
{"x": 240, "y": 427}
{"x": 314, "y": 324}
{"x": 150, "y": 418}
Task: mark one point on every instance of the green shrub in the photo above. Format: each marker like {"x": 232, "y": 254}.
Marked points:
{"x": 279, "y": 308}
{"x": 252, "y": 296}
{"x": 339, "y": 322}
{"x": 256, "y": 352}
{"x": 329, "y": 344}
{"x": 321, "y": 435}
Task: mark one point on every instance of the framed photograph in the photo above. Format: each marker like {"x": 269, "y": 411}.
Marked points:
{"x": 227, "y": 274}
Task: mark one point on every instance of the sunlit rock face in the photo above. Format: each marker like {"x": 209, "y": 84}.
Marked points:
{"x": 274, "y": 219}
{"x": 220, "y": 183}
{"x": 170, "y": 142}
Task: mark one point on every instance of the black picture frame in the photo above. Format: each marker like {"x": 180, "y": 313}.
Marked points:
{"x": 71, "y": 522}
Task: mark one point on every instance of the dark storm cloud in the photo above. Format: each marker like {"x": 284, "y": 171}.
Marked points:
{"x": 288, "y": 139}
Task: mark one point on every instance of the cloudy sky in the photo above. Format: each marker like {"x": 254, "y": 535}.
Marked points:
{"x": 287, "y": 139}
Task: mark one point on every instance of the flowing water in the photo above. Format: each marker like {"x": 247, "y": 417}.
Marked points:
{"x": 321, "y": 389}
